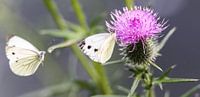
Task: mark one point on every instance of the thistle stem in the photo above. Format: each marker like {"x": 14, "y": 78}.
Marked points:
{"x": 150, "y": 92}
{"x": 129, "y": 3}
{"x": 149, "y": 83}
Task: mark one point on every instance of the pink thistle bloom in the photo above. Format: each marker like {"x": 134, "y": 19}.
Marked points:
{"x": 134, "y": 25}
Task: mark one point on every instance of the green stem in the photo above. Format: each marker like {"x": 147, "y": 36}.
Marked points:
{"x": 52, "y": 7}
{"x": 129, "y": 3}
{"x": 102, "y": 81}
{"x": 62, "y": 24}
{"x": 149, "y": 83}
{"x": 150, "y": 92}
{"x": 97, "y": 74}
{"x": 79, "y": 14}
{"x": 103, "y": 84}
{"x": 86, "y": 65}
{"x": 135, "y": 85}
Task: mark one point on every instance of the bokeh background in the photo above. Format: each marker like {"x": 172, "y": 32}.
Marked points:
{"x": 26, "y": 18}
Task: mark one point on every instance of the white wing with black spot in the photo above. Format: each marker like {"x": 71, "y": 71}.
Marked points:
{"x": 99, "y": 47}
{"x": 24, "y": 58}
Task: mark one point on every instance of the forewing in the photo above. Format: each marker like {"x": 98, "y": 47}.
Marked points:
{"x": 16, "y": 41}
{"x": 16, "y": 53}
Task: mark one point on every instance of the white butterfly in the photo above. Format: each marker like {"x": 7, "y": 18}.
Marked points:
{"x": 99, "y": 47}
{"x": 24, "y": 58}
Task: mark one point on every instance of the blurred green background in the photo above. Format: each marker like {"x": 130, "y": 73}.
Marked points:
{"x": 26, "y": 18}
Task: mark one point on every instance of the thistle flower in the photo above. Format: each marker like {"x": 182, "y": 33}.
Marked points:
{"x": 136, "y": 31}
{"x": 134, "y": 25}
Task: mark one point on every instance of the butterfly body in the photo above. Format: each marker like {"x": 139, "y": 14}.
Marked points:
{"x": 24, "y": 58}
{"x": 99, "y": 47}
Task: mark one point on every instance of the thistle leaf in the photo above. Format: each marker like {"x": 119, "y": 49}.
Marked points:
{"x": 161, "y": 86}
{"x": 51, "y": 90}
{"x": 134, "y": 86}
{"x": 167, "y": 94}
{"x": 191, "y": 91}
{"x": 114, "y": 62}
{"x": 109, "y": 96}
{"x": 175, "y": 80}
{"x": 55, "y": 32}
{"x": 163, "y": 42}
{"x": 62, "y": 45}
{"x": 123, "y": 89}
{"x": 74, "y": 27}
{"x": 155, "y": 65}
{"x": 68, "y": 34}
{"x": 165, "y": 74}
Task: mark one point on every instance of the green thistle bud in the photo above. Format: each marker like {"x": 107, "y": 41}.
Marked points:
{"x": 142, "y": 52}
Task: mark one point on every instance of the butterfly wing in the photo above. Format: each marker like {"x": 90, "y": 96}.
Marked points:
{"x": 98, "y": 47}
{"x": 22, "y": 62}
{"x": 24, "y": 58}
{"x": 107, "y": 48}
{"x": 25, "y": 66}
{"x": 16, "y": 41}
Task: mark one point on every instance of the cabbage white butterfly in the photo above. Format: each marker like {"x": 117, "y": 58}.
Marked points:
{"x": 99, "y": 47}
{"x": 24, "y": 58}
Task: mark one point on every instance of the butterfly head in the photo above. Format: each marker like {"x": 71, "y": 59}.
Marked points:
{"x": 41, "y": 55}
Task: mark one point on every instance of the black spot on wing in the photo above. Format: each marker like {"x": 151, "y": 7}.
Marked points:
{"x": 13, "y": 53}
{"x": 89, "y": 46}
{"x": 95, "y": 50}
{"x": 82, "y": 44}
